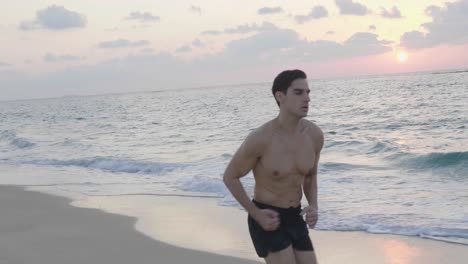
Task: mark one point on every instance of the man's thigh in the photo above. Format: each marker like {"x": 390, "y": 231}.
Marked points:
{"x": 305, "y": 257}
{"x": 285, "y": 256}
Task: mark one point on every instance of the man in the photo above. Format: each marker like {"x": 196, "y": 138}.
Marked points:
{"x": 283, "y": 154}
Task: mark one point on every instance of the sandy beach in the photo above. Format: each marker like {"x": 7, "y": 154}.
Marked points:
{"x": 41, "y": 228}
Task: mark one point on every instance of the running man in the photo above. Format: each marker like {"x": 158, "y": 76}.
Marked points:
{"x": 283, "y": 154}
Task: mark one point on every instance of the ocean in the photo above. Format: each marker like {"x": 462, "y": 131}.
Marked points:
{"x": 395, "y": 159}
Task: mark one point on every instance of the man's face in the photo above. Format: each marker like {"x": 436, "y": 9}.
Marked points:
{"x": 297, "y": 98}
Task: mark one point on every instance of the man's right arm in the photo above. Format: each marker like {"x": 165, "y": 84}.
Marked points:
{"x": 241, "y": 163}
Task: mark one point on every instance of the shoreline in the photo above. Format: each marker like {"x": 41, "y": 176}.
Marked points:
{"x": 149, "y": 228}
{"x": 229, "y": 226}
{"x": 45, "y": 229}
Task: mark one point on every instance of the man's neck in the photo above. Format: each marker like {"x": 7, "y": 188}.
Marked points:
{"x": 288, "y": 123}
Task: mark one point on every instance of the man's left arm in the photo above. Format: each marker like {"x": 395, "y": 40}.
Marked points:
{"x": 310, "y": 183}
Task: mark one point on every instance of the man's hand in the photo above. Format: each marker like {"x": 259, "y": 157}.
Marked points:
{"x": 311, "y": 216}
{"x": 268, "y": 219}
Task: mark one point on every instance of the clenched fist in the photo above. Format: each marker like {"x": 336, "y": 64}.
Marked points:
{"x": 311, "y": 216}
{"x": 268, "y": 219}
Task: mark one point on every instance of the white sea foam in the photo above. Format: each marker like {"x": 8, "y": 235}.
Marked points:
{"x": 112, "y": 164}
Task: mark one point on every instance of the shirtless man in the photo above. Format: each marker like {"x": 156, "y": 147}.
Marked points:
{"x": 283, "y": 154}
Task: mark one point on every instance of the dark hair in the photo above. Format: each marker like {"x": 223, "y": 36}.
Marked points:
{"x": 284, "y": 80}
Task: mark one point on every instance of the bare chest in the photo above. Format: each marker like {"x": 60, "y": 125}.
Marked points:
{"x": 286, "y": 157}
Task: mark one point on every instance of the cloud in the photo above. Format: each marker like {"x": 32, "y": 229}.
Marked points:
{"x": 241, "y": 29}
{"x": 143, "y": 17}
{"x": 415, "y": 40}
{"x": 272, "y": 46}
{"x": 48, "y": 57}
{"x": 147, "y": 50}
{"x": 276, "y": 46}
{"x": 316, "y": 13}
{"x": 122, "y": 43}
{"x": 270, "y": 10}
{"x": 211, "y": 32}
{"x": 394, "y": 13}
{"x": 197, "y": 43}
{"x": 330, "y": 32}
{"x": 55, "y": 18}
{"x": 433, "y": 11}
{"x": 348, "y": 7}
{"x": 138, "y": 72}
{"x": 449, "y": 25}
{"x": 4, "y": 64}
{"x": 248, "y": 28}
{"x": 372, "y": 27}
{"x": 263, "y": 42}
{"x": 367, "y": 40}
{"x": 195, "y": 9}
{"x": 183, "y": 49}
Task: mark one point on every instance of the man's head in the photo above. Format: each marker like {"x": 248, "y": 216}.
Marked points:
{"x": 290, "y": 88}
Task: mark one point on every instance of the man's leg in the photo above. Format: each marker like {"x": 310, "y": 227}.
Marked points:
{"x": 285, "y": 256}
{"x": 305, "y": 257}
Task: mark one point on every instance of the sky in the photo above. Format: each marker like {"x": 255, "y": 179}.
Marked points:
{"x": 63, "y": 48}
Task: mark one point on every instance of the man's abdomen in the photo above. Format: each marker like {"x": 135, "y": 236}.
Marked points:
{"x": 279, "y": 196}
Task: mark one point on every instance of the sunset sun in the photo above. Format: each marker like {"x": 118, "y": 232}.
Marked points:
{"x": 402, "y": 56}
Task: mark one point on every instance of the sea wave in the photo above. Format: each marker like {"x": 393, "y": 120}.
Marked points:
{"x": 380, "y": 147}
{"x": 11, "y": 137}
{"x": 204, "y": 185}
{"x": 113, "y": 165}
{"x": 341, "y": 166}
{"x": 432, "y": 160}
{"x": 368, "y": 147}
{"x": 338, "y": 166}
{"x": 334, "y": 143}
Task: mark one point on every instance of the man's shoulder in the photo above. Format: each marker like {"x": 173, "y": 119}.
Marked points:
{"x": 261, "y": 133}
{"x": 256, "y": 141}
{"x": 314, "y": 131}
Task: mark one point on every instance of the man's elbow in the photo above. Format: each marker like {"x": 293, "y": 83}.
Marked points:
{"x": 225, "y": 178}
{"x": 228, "y": 177}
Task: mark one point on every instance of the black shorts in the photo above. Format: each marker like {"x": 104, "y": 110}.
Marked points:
{"x": 292, "y": 231}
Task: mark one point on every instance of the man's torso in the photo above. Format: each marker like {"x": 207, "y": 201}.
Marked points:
{"x": 280, "y": 170}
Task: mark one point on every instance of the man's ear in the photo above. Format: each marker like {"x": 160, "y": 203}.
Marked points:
{"x": 279, "y": 95}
